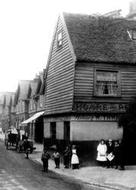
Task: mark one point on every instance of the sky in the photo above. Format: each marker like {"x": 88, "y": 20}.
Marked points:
{"x": 26, "y": 30}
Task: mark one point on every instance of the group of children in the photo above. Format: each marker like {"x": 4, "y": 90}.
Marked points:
{"x": 70, "y": 158}
{"x": 110, "y": 154}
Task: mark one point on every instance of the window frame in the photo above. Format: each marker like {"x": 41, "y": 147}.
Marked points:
{"x": 118, "y": 83}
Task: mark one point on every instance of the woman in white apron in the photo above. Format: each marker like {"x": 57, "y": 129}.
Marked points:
{"x": 102, "y": 153}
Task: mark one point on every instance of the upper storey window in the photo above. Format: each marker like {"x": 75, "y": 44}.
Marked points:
{"x": 132, "y": 34}
{"x": 59, "y": 39}
{"x": 106, "y": 83}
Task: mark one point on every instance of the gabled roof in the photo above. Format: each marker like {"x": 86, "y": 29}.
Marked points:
{"x": 2, "y": 98}
{"x": 13, "y": 99}
{"x": 6, "y": 98}
{"x": 101, "y": 39}
{"x": 34, "y": 86}
{"x": 23, "y": 89}
{"x": 43, "y": 80}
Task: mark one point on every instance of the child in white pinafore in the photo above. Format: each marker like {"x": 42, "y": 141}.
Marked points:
{"x": 74, "y": 158}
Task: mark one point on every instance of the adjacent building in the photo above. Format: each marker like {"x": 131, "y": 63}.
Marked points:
{"x": 6, "y": 120}
{"x": 13, "y": 110}
{"x": 22, "y": 102}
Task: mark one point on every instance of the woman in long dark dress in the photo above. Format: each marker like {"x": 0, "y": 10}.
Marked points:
{"x": 66, "y": 157}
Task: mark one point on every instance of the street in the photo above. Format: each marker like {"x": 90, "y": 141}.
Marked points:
{"x": 19, "y": 173}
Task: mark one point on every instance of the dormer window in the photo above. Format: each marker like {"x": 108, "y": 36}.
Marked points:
{"x": 132, "y": 34}
{"x": 59, "y": 39}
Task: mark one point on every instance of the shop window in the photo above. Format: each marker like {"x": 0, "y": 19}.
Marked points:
{"x": 53, "y": 130}
{"x": 106, "y": 83}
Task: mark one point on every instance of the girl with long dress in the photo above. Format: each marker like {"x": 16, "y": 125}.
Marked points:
{"x": 74, "y": 159}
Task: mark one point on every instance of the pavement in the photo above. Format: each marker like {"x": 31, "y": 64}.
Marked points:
{"x": 94, "y": 176}
{"x": 104, "y": 178}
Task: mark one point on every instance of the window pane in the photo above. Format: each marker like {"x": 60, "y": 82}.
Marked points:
{"x": 106, "y": 76}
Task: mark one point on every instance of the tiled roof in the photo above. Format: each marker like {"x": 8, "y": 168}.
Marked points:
{"x": 101, "y": 39}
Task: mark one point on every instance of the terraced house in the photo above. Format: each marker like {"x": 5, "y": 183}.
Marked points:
{"x": 6, "y": 116}
{"x": 91, "y": 77}
{"x": 34, "y": 124}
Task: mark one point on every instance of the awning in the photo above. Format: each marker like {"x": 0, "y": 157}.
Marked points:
{"x": 34, "y": 117}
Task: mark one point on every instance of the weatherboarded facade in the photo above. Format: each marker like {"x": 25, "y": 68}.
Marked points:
{"x": 91, "y": 77}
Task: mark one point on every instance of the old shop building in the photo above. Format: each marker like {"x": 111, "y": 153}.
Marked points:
{"x": 91, "y": 77}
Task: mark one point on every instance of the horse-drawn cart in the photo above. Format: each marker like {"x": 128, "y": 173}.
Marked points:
{"x": 11, "y": 140}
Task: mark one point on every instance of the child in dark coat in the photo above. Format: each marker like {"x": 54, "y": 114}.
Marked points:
{"x": 110, "y": 153}
{"x": 56, "y": 157}
{"x": 26, "y": 147}
{"x": 117, "y": 154}
{"x": 45, "y": 157}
